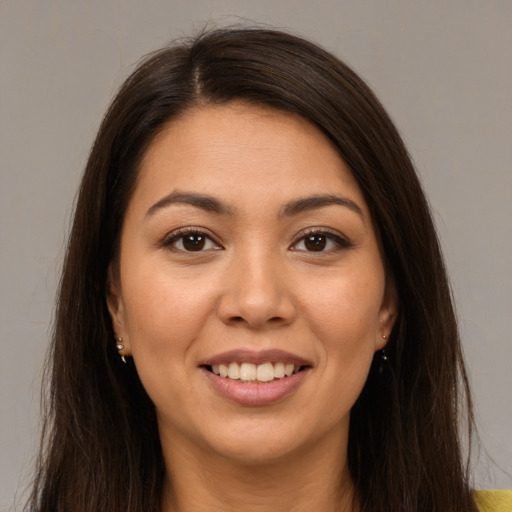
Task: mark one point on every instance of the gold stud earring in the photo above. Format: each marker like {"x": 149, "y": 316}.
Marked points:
{"x": 119, "y": 347}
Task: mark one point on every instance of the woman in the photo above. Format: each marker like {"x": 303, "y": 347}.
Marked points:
{"x": 254, "y": 313}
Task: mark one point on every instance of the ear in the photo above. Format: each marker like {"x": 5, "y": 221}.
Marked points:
{"x": 387, "y": 315}
{"x": 117, "y": 311}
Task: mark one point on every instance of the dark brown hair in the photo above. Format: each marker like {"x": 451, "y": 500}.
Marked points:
{"x": 101, "y": 448}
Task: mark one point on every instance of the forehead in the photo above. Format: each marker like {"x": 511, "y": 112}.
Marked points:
{"x": 243, "y": 153}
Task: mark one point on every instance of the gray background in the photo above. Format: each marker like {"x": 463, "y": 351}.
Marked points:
{"x": 443, "y": 70}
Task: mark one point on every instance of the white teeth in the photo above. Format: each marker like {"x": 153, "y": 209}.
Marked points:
{"x": 279, "y": 370}
{"x": 233, "y": 371}
{"x": 247, "y": 371}
{"x": 288, "y": 369}
{"x": 265, "y": 372}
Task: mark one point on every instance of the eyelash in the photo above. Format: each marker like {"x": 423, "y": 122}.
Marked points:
{"x": 180, "y": 234}
{"x": 340, "y": 242}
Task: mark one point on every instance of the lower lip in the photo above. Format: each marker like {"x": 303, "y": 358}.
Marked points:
{"x": 255, "y": 393}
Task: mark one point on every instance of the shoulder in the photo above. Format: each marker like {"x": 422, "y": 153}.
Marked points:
{"x": 494, "y": 501}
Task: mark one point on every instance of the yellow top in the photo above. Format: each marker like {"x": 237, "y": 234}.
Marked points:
{"x": 494, "y": 501}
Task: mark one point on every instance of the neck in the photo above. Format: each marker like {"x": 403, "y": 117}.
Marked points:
{"x": 317, "y": 479}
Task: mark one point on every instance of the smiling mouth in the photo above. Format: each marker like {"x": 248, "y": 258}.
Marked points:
{"x": 249, "y": 372}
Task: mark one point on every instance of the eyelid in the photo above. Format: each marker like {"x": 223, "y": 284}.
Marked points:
{"x": 342, "y": 241}
{"x": 172, "y": 237}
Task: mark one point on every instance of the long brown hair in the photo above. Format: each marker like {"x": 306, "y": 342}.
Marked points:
{"x": 100, "y": 448}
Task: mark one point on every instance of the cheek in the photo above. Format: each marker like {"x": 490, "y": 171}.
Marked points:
{"x": 162, "y": 319}
{"x": 348, "y": 309}
{"x": 345, "y": 318}
{"x": 159, "y": 294}
{"x": 161, "y": 311}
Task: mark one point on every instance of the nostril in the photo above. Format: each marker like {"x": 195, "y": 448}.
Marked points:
{"x": 241, "y": 320}
{"x": 275, "y": 319}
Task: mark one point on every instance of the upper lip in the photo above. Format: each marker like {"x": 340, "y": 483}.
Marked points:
{"x": 256, "y": 357}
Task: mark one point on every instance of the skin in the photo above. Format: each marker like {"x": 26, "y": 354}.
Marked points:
{"x": 255, "y": 285}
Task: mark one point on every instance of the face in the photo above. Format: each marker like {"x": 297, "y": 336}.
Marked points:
{"x": 251, "y": 290}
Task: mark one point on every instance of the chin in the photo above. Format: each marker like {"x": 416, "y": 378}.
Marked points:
{"x": 258, "y": 452}
{"x": 261, "y": 443}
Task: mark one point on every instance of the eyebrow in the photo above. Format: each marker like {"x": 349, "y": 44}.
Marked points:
{"x": 205, "y": 202}
{"x": 313, "y": 202}
{"x": 213, "y": 205}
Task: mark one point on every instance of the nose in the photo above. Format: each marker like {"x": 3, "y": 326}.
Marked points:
{"x": 257, "y": 293}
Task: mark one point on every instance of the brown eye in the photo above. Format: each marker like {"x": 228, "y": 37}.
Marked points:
{"x": 315, "y": 242}
{"x": 194, "y": 242}
{"x": 321, "y": 241}
{"x": 190, "y": 241}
